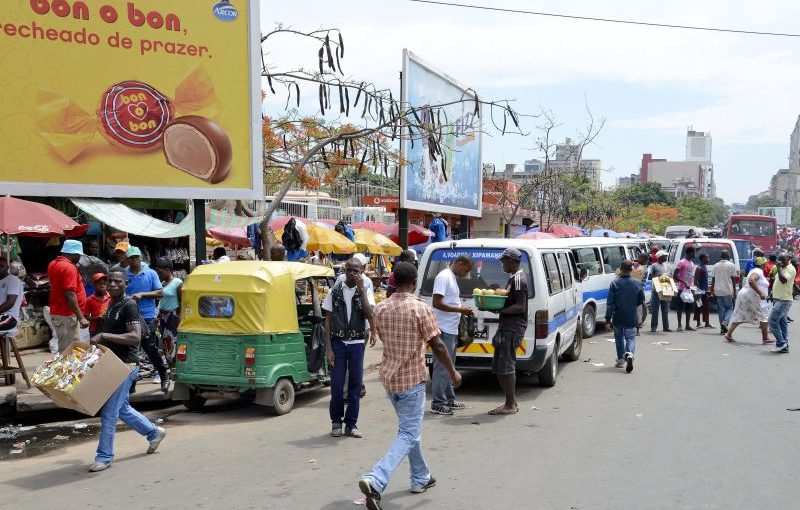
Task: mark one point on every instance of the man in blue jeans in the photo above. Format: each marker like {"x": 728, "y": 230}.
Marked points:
{"x": 723, "y": 287}
{"x": 448, "y": 310}
{"x": 625, "y": 296}
{"x": 782, "y": 302}
{"x": 121, "y": 332}
{"x": 405, "y": 326}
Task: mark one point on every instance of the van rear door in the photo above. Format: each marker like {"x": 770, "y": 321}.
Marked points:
{"x": 556, "y": 303}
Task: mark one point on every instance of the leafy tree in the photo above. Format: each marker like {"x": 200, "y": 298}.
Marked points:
{"x": 654, "y": 218}
{"x": 644, "y": 194}
{"x": 694, "y": 210}
{"x": 755, "y": 201}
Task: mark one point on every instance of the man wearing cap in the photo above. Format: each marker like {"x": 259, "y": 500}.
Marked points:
{"x": 120, "y": 255}
{"x": 67, "y": 295}
{"x": 656, "y": 303}
{"x": 97, "y": 303}
{"x": 510, "y": 330}
{"x": 144, "y": 287}
{"x": 782, "y": 302}
{"x": 723, "y": 287}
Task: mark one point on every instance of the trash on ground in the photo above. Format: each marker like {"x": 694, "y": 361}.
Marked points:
{"x": 587, "y": 360}
{"x": 726, "y": 354}
{"x": 9, "y": 432}
{"x": 15, "y": 452}
{"x": 661, "y": 343}
{"x": 361, "y": 501}
{"x": 639, "y": 415}
{"x": 610, "y": 340}
{"x": 61, "y": 438}
{"x": 80, "y": 426}
{"x": 676, "y": 349}
{"x": 592, "y": 341}
{"x": 159, "y": 421}
{"x": 27, "y": 428}
{"x": 534, "y": 408}
{"x": 475, "y": 423}
{"x": 312, "y": 461}
{"x": 598, "y": 364}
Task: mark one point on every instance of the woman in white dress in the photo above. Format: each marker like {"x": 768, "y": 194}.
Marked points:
{"x": 751, "y": 303}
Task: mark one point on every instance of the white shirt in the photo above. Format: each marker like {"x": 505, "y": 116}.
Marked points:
{"x": 446, "y": 285}
{"x": 348, "y": 293}
{"x": 722, "y": 273}
{"x": 11, "y": 285}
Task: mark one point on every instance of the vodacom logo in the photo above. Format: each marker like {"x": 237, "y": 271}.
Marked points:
{"x": 42, "y": 229}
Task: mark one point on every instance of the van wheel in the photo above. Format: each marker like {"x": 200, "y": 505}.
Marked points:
{"x": 574, "y": 351}
{"x": 283, "y": 397}
{"x": 195, "y": 402}
{"x": 548, "y": 373}
{"x": 588, "y": 322}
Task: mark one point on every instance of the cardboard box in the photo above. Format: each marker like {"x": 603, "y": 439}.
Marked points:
{"x": 666, "y": 290}
{"x": 97, "y": 386}
{"x": 32, "y": 333}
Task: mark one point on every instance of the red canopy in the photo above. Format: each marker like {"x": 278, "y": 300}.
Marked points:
{"x": 537, "y": 235}
{"x": 416, "y": 234}
{"x": 281, "y": 222}
{"x": 236, "y": 236}
{"x": 28, "y": 218}
{"x": 565, "y": 231}
{"x": 374, "y": 226}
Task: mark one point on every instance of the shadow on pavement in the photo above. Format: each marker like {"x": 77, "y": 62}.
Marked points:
{"x": 52, "y": 478}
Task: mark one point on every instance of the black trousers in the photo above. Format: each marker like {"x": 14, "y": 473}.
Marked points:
{"x": 153, "y": 350}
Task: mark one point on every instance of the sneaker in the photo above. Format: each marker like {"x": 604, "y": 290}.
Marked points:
{"x": 363, "y": 391}
{"x": 456, "y": 405}
{"x": 99, "y": 466}
{"x": 165, "y": 385}
{"x": 619, "y": 364}
{"x": 653, "y": 331}
{"x": 373, "y": 500}
{"x": 667, "y": 330}
{"x": 629, "y": 363}
{"x": 420, "y": 490}
{"x": 354, "y": 432}
{"x": 156, "y": 379}
{"x": 781, "y": 350}
{"x": 336, "y": 430}
{"x": 688, "y": 328}
{"x": 162, "y": 432}
{"x": 680, "y": 328}
{"x": 723, "y": 328}
{"x": 443, "y": 410}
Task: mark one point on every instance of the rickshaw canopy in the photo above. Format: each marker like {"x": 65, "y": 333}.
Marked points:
{"x": 244, "y": 297}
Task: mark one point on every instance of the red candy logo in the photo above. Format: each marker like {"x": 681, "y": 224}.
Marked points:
{"x": 134, "y": 115}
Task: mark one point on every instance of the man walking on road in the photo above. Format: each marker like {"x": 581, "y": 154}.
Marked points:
{"x": 67, "y": 295}
{"x": 723, "y": 287}
{"x": 625, "y": 296}
{"x": 121, "y": 332}
{"x": 349, "y": 306}
{"x": 510, "y": 331}
{"x": 684, "y": 277}
{"x": 782, "y": 302}
{"x": 656, "y": 303}
{"x": 144, "y": 287}
{"x": 448, "y": 311}
{"x": 405, "y": 326}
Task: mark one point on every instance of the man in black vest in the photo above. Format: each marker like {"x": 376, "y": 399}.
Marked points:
{"x": 349, "y": 306}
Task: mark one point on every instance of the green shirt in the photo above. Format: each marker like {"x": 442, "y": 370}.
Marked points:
{"x": 783, "y": 291}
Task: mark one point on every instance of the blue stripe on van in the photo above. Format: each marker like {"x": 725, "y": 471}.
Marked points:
{"x": 563, "y": 317}
{"x": 602, "y": 294}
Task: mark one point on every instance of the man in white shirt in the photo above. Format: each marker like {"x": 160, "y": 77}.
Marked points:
{"x": 447, "y": 309}
{"x": 349, "y": 308}
{"x": 11, "y": 294}
{"x": 723, "y": 287}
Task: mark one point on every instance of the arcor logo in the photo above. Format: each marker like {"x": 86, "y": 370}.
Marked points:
{"x": 225, "y": 11}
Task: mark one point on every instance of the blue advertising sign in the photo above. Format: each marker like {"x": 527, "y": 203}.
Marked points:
{"x": 451, "y": 182}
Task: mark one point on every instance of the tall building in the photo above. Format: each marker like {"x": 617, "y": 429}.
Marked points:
{"x": 698, "y": 148}
{"x": 533, "y": 166}
{"x": 794, "y": 148}
{"x": 569, "y": 158}
{"x": 693, "y": 176}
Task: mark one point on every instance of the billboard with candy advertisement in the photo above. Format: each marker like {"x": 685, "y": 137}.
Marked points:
{"x": 448, "y": 180}
{"x": 130, "y": 98}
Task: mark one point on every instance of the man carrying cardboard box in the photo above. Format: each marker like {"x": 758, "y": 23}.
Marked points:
{"x": 121, "y": 332}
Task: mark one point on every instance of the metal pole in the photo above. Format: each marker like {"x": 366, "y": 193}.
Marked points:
{"x": 464, "y": 231}
{"x": 402, "y": 212}
{"x": 402, "y": 218}
{"x": 199, "y": 206}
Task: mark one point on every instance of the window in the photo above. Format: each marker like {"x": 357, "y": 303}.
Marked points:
{"x": 551, "y": 270}
{"x": 588, "y": 259}
{"x": 566, "y": 270}
{"x": 487, "y": 272}
{"x": 216, "y": 307}
{"x": 635, "y": 251}
{"x": 612, "y": 258}
{"x": 753, "y": 228}
{"x": 713, "y": 250}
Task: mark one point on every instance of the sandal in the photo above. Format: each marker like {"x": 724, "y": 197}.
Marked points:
{"x": 728, "y": 338}
{"x": 502, "y": 411}
{"x": 767, "y": 342}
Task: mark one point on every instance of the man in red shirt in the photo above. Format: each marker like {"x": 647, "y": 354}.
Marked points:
{"x": 67, "y": 295}
{"x": 97, "y": 303}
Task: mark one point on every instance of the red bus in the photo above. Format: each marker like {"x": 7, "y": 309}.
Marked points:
{"x": 761, "y": 230}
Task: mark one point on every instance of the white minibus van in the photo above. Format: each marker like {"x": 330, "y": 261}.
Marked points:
{"x": 710, "y": 246}
{"x": 554, "y": 300}
{"x": 598, "y": 259}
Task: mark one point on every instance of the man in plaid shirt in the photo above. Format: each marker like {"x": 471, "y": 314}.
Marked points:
{"x": 405, "y": 326}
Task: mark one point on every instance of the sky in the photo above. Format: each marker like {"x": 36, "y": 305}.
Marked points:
{"x": 649, "y": 84}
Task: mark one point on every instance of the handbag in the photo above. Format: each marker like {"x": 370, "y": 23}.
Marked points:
{"x": 687, "y": 296}
{"x": 466, "y": 330}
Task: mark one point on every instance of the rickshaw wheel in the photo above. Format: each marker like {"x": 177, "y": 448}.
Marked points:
{"x": 195, "y": 402}
{"x": 283, "y": 397}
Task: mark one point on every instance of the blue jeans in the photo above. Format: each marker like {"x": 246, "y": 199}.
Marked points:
{"x": 778, "y": 323}
{"x": 349, "y": 360}
{"x": 655, "y": 305}
{"x": 725, "y": 309}
{"x": 441, "y": 385}
{"x": 410, "y": 408}
{"x": 118, "y": 408}
{"x": 625, "y": 339}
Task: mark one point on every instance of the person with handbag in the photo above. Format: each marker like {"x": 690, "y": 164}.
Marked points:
{"x": 684, "y": 277}
{"x": 448, "y": 310}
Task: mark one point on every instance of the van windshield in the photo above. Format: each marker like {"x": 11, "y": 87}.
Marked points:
{"x": 713, "y": 251}
{"x": 487, "y": 272}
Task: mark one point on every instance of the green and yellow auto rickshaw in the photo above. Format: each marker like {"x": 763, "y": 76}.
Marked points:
{"x": 251, "y": 329}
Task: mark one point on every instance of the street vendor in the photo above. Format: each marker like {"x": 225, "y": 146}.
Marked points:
{"x": 67, "y": 294}
{"x": 121, "y": 332}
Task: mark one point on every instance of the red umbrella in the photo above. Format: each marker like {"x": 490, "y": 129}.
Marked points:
{"x": 34, "y": 219}
{"x": 416, "y": 234}
{"x": 537, "y": 235}
{"x": 236, "y": 236}
{"x": 565, "y": 231}
{"x": 281, "y": 222}
{"x": 374, "y": 226}
{"x": 328, "y": 221}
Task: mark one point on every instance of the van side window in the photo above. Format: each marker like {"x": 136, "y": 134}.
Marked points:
{"x": 612, "y": 258}
{"x": 635, "y": 251}
{"x": 566, "y": 270}
{"x": 551, "y": 269}
{"x": 588, "y": 259}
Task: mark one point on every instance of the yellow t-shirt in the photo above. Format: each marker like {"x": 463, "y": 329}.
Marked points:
{"x": 783, "y": 291}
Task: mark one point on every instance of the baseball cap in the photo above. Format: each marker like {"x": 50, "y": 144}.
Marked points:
{"x": 512, "y": 254}
{"x": 98, "y": 276}
{"x": 361, "y": 258}
{"x": 121, "y": 246}
{"x": 72, "y": 247}
{"x": 662, "y": 253}
{"x": 133, "y": 251}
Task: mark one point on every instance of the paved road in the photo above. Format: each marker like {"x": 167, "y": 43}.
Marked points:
{"x": 701, "y": 428}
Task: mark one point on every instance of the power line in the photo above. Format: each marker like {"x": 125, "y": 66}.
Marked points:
{"x": 605, "y": 20}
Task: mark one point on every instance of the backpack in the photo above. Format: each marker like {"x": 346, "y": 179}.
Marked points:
{"x": 291, "y": 239}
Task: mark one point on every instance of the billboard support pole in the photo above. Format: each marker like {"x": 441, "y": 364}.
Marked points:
{"x": 199, "y": 207}
{"x": 402, "y": 218}
{"x": 464, "y": 230}
{"x": 402, "y": 212}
